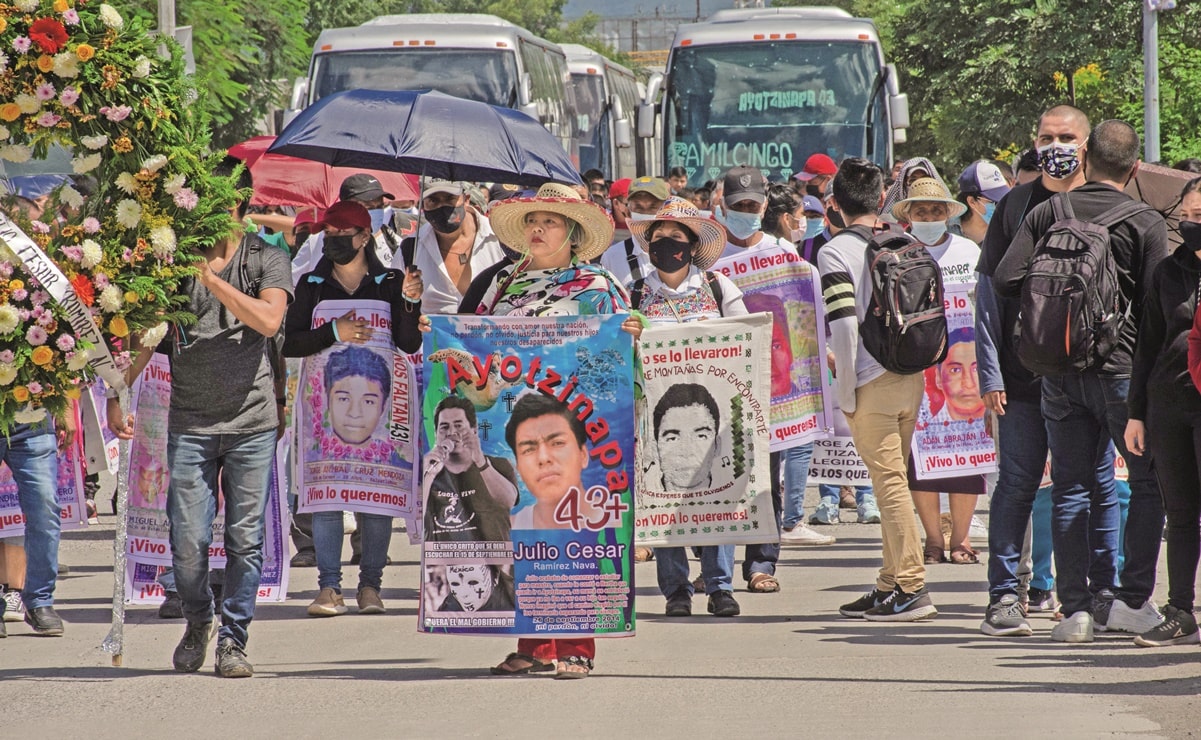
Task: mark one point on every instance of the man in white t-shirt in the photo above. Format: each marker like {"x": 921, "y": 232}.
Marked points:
{"x": 626, "y": 259}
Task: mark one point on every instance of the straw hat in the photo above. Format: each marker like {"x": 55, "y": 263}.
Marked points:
{"x": 710, "y": 234}
{"x": 593, "y": 237}
{"x": 928, "y": 190}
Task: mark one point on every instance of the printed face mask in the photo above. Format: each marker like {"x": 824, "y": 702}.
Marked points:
{"x": 740, "y": 225}
{"x": 1059, "y": 160}
{"x": 446, "y": 219}
{"x": 339, "y": 249}
{"x": 928, "y": 232}
{"x": 1190, "y": 232}
{"x": 670, "y": 255}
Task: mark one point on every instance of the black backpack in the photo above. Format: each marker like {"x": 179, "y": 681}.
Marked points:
{"x": 1072, "y": 307}
{"x": 905, "y": 327}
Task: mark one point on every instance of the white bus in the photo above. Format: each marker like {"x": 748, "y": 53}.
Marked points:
{"x": 472, "y": 56}
{"x": 606, "y": 96}
{"x": 767, "y": 87}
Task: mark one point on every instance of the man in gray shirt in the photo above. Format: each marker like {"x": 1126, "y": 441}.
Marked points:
{"x": 226, "y": 407}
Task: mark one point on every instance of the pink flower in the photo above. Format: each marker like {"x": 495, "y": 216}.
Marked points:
{"x": 127, "y": 255}
{"x": 35, "y": 387}
{"x": 21, "y": 44}
{"x": 6, "y": 269}
{"x": 65, "y": 342}
{"x": 122, "y": 360}
{"x": 44, "y": 92}
{"x": 75, "y": 254}
{"x": 46, "y": 319}
{"x": 48, "y": 120}
{"x": 186, "y": 198}
{"x": 39, "y": 226}
{"x": 20, "y": 294}
{"x": 116, "y": 113}
{"x": 36, "y": 336}
{"x": 40, "y": 297}
{"x": 70, "y": 17}
{"x": 91, "y": 225}
{"x": 69, "y": 97}
{"x": 101, "y": 281}
{"x": 23, "y": 313}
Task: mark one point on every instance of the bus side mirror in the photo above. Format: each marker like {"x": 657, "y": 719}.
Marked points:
{"x": 622, "y": 136}
{"x": 646, "y": 111}
{"x": 525, "y": 97}
{"x": 300, "y": 94}
{"x": 898, "y": 111}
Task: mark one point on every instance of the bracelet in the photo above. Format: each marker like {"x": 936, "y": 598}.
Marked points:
{"x": 334, "y": 324}
{"x": 281, "y": 402}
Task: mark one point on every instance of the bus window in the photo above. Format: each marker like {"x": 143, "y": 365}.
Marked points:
{"x": 489, "y": 76}
{"x": 591, "y": 124}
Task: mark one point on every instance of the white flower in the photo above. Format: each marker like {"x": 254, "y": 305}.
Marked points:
{"x": 4, "y": 134}
{"x": 141, "y": 67}
{"x": 71, "y": 197}
{"x": 174, "y": 183}
{"x": 86, "y": 163}
{"x": 80, "y": 360}
{"x": 15, "y": 153}
{"x": 3, "y": 62}
{"x": 27, "y": 103}
{"x": 129, "y": 213}
{"x": 154, "y": 335}
{"x": 109, "y": 16}
{"x": 29, "y": 415}
{"x": 92, "y": 254}
{"x": 162, "y": 239}
{"x": 93, "y": 142}
{"x": 8, "y": 373}
{"x": 155, "y": 163}
{"x": 9, "y": 319}
{"x": 127, "y": 182}
{"x": 66, "y": 64}
{"x": 111, "y": 299}
{"x": 26, "y": 6}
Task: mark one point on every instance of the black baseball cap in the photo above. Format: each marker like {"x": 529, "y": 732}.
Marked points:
{"x": 362, "y": 186}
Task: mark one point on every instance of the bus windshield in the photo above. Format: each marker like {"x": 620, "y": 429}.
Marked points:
{"x": 486, "y": 75}
{"x": 591, "y": 128}
{"x": 768, "y": 105}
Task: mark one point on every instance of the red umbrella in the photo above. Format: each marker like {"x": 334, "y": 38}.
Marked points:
{"x": 283, "y": 180}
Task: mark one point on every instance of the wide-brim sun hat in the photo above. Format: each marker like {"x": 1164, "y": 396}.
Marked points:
{"x": 508, "y": 219}
{"x": 711, "y": 236}
{"x": 928, "y": 190}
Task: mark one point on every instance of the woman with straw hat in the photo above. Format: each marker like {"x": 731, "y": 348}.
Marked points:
{"x": 683, "y": 245}
{"x": 927, "y": 209}
{"x": 555, "y": 234}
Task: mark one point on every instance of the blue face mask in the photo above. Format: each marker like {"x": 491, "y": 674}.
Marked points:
{"x": 740, "y": 225}
{"x": 989, "y": 209}
{"x": 379, "y": 217}
{"x": 814, "y": 226}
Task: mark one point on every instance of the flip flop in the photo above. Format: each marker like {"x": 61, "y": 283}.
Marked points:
{"x": 564, "y": 667}
{"x": 961, "y": 555}
{"x": 934, "y": 554}
{"x": 535, "y": 666}
{"x": 762, "y": 583}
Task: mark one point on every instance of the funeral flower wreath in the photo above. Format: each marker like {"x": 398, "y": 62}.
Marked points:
{"x": 76, "y": 74}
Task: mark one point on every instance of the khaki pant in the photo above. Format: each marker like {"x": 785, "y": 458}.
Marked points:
{"x": 882, "y": 427}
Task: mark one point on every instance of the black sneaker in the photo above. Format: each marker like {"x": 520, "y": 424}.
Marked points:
{"x": 1040, "y": 600}
{"x": 172, "y": 607}
{"x": 44, "y": 621}
{"x": 723, "y": 604}
{"x": 189, "y": 653}
{"x": 857, "y": 608}
{"x": 679, "y": 604}
{"x": 903, "y": 607}
{"x": 231, "y": 660}
{"x": 304, "y": 559}
{"x": 1177, "y": 628}
{"x": 1102, "y": 604}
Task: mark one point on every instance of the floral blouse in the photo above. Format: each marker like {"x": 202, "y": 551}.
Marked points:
{"x": 576, "y": 290}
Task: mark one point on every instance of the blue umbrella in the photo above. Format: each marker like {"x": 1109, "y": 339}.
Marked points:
{"x": 426, "y": 133}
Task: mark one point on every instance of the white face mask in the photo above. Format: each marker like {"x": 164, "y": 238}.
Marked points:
{"x": 639, "y": 217}
{"x": 928, "y": 232}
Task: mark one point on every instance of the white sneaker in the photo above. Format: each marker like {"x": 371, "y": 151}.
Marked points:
{"x": 14, "y": 610}
{"x": 804, "y": 536}
{"x": 977, "y": 529}
{"x": 349, "y": 525}
{"x": 1075, "y": 628}
{"x": 1123, "y": 618}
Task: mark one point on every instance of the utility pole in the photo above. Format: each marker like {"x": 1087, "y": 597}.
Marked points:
{"x": 1151, "y": 10}
{"x": 166, "y": 18}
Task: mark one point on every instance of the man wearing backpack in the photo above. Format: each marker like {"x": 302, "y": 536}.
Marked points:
{"x": 1085, "y": 358}
{"x": 881, "y": 406}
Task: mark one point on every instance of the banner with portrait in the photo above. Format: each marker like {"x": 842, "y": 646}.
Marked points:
{"x": 951, "y": 438}
{"x": 528, "y": 435}
{"x": 149, "y": 548}
{"x": 835, "y": 460}
{"x": 68, "y": 493}
{"x": 703, "y": 434}
{"x": 356, "y": 421}
{"x": 777, "y": 281}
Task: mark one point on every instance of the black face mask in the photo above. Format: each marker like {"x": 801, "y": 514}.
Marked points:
{"x": 814, "y": 190}
{"x": 670, "y": 255}
{"x": 446, "y": 219}
{"x": 1190, "y": 232}
{"x": 339, "y": 249}
{"x": 835, "y": 218}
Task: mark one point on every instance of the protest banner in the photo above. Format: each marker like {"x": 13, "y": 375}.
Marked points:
{"x": 951, "y": 438}
{"x": 779, "y": 282}
{"x": 528, "y": 432}
{"x": 835, "y": 460}
{"x": 149, "y": 547}
{"x": 69, "y": 494}
{"x": 356, "y": 421}
{"x": 703, "y": 434}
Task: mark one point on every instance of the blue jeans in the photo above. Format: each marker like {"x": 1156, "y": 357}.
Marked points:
{"x": 717, "y": 567}
{"x": 1083, "y": 413}
{"x": 796, "y": 476}
{"x": 327, "y": 541}
{"x": 829, "y": 492}
{"x": 31, "y": 452}
{"x": 243, "y": 463}
{"x": 1021, "y": 460}
{"x": 763, "y": 558}
{"x": 1041, "y": 552}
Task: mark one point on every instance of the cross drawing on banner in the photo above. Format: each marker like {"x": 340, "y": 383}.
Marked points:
{"x": 485, "y": 426}
{"x": 508, "y": 399}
